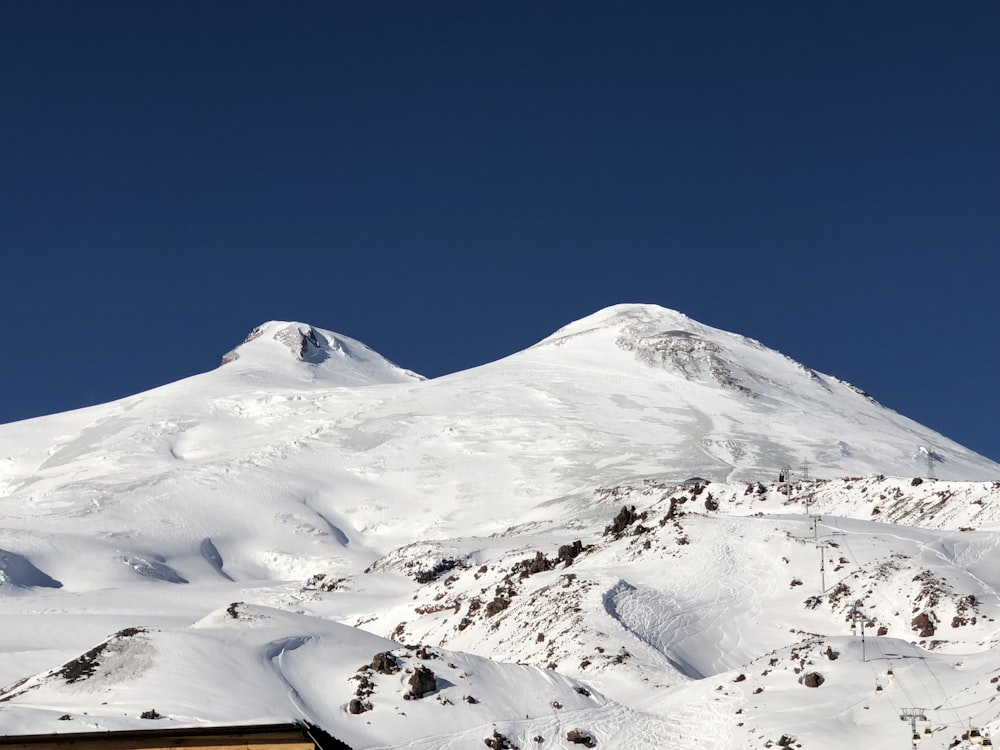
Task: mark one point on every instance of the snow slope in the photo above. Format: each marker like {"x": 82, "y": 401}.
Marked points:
{"x": 278, "y": 521}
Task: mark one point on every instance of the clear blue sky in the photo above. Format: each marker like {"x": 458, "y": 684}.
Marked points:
{"x": 451, "y": 181}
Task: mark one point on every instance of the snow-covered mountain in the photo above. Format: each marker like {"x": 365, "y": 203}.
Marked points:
{"x": 279, "y": 349}
{"x": 523, "y": 527}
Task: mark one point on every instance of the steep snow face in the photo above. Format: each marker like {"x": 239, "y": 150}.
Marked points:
{"x": 671, "y": 342}
{"x": 738, "y": 409}
{"x": 304, "y": 351}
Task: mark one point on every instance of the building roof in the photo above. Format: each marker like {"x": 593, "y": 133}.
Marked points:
{"x": 696, "y": 480}
{"x": 290, "y": 736}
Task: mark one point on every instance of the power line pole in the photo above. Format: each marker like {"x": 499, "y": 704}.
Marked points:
{"x": 822, "y": 566}
{"x": 857, "y": 616}
{"x": 821, "y": 546}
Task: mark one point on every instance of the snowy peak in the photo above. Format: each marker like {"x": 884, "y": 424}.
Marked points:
{"x": 668, "y": 340}
{"x": 730, "y": 406}
{"x": 622, "y": 316}
{"x": 317, "y": 354}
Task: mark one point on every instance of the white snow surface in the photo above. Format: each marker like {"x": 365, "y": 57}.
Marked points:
{"x": 232, "y": 547}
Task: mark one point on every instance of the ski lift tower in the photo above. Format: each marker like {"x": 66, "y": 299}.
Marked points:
{"x": 928, "y": 454}
{"x": 913, "y": 715}
{"x": 858, "y": 618}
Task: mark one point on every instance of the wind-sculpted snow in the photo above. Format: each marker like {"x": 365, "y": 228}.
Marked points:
{"x": 211, "y": 554}
{"x": 153, "y": 568}
{"x": 16, "y": 570}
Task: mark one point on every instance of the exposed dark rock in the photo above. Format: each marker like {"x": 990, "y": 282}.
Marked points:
{"x": 448, "y": 564}
{"x": 569, "y": 552}
{"x": 357, "y": 706}
{"x": 831, "y": 654}
{"x": 813, "y": 679}
{"x": 86, "y": 664}
{"x": 422, "y": 682}
{"x": 625, "y": 518}
{"x": 711, "y": 503}
{"x": 365, "y": 685}
{"x": 150, "y": 714}
{"x": 924, "y": 624}
{"x": 321, "y": 582}
{"x": 580, "y": 737}
{"x": 672, "y": 512}
{"x": 497, "y": 605}
{"x": 529, "y": 566}
{"x": 499, "y": 742}
{"x": 385, "y": 663}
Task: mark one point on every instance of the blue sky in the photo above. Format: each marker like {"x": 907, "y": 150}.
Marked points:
{"x": 451, "y": 181}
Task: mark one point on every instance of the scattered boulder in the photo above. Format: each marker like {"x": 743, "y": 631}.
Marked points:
{"x": 579, "y": 737}
{"x": 150, "y": 714}
{"x": 528, "y": 567}
{"x": 321, "y": 582}
{"x": 442, "y": 567}
{"x": 385, "y": 663}
{"x": 357, "y": 706}
{"x": 497, "y": 605}
{"x": 425, "y": 653}
{"x": 924, "y": 624}
{"x": 499, "y": 742}
{"x": 569, "y": 552}
{"x": 813, "y": 679}
{"x": 422, "y": 682}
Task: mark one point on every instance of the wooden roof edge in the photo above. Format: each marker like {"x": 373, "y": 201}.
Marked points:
{"x": 201, "y": 730}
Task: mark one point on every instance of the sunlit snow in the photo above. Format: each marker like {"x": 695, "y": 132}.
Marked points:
{"x": 234, "y": 546}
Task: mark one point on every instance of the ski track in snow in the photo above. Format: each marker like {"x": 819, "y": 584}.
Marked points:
{"x": 275, "y": 655}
